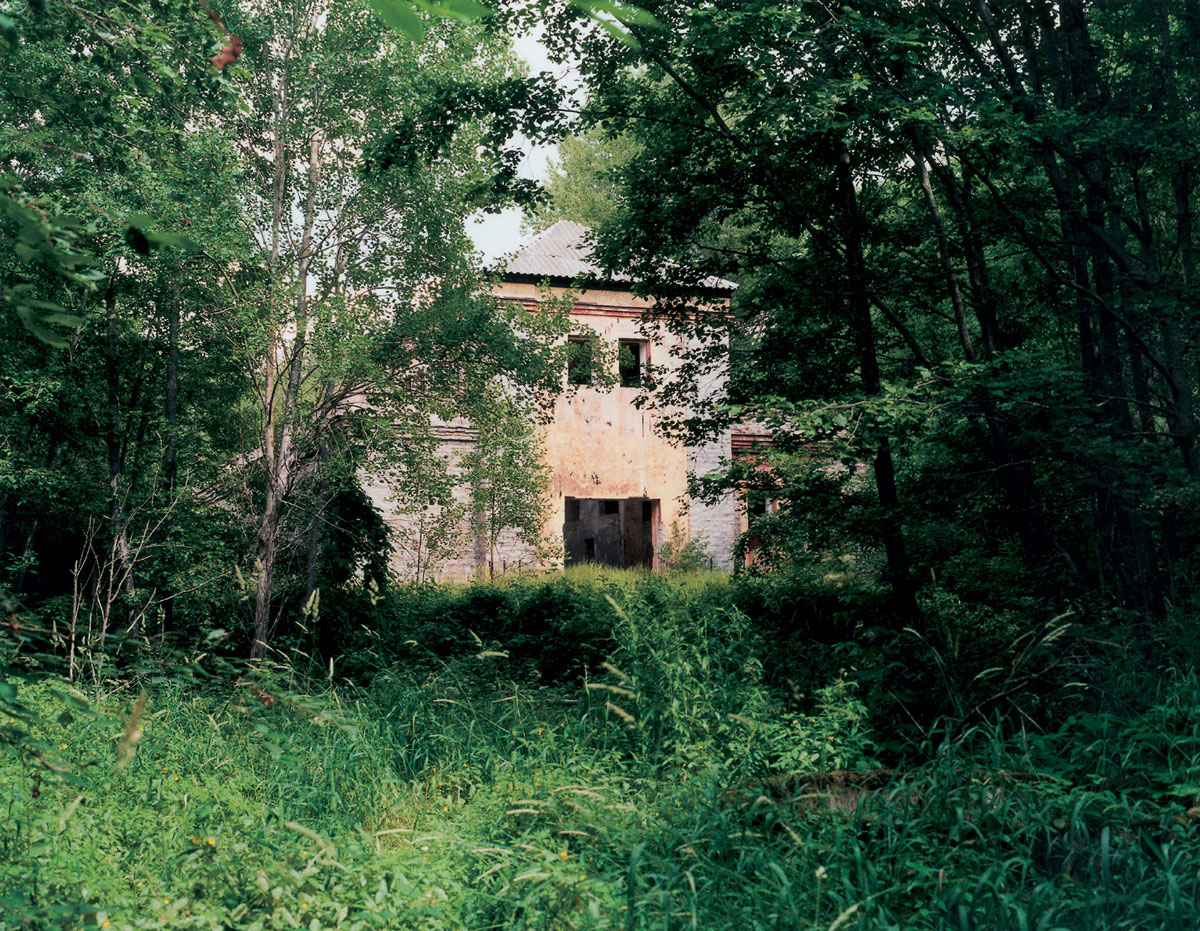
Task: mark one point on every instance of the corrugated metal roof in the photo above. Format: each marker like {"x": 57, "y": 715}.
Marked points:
{"x": 561, "y": 252}
{"x": 558, "y": 252}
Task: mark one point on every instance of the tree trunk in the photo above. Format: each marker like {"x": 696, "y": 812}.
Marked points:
{"x": 120, "y": 572}
{"x": 170, "y": 463}
{"x": 891, "y": 530}
{"x": 1132, "y": 552}
{"x": 1181, "y": 412}
{"x": 920, "y": 157}
{"x": 279, "y": 455}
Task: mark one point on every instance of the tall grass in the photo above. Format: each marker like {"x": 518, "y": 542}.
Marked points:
{"x": 672, "y": 788}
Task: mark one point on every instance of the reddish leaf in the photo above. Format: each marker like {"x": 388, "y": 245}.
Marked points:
{"x": 229, "y": 54}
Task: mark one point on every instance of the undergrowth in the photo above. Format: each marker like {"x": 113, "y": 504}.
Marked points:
{"x": 676, "y": 784}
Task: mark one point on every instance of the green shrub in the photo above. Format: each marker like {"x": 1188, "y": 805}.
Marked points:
{"x": 668, "y": 777}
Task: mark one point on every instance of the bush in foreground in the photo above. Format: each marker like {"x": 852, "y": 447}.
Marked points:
{"x": 674, "y": 787}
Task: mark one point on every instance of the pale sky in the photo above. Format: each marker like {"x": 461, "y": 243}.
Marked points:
{"x": 500, "y": 233}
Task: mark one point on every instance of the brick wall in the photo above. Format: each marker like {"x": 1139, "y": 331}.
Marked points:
{"x": 716, "y": 523}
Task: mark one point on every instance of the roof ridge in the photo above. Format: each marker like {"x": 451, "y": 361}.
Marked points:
{"x": 560, "y": 252}
{"x": 538, "y": 237}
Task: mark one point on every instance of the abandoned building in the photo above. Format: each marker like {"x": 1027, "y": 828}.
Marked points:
{"x": 618, "y": 489}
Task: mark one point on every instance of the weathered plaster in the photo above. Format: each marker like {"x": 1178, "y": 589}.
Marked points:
{"x": 600, "y": 445}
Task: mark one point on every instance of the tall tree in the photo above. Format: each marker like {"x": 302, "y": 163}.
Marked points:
{"x": 104, "y": 152}
{"x": 876, "y": 176}
{"x": 367, "y": 310}
{"x": 584, "y": 183}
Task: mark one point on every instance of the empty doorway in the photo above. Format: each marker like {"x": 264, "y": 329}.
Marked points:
{"x": 610, "y": 531}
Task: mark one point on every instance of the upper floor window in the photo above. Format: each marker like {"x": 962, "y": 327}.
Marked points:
{"x": 581, "y": 359}
{"x": 631, "y": 362}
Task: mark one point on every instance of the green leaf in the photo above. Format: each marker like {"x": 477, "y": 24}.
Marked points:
{"x": 619, "y": 32}
{"x": 137, "y": 241}
{"x": 63, "y": 319}
{"x": 8, "y": 692}
{"x": 172, "y": 239}
{"x": 71, "y": 701}
{"x": 400, "y": 16}
{"x": 34, "y": 325}
{"x": 465, "y": 10}
{"x": 627, "y": 13}
{"x": 8, "y": 30}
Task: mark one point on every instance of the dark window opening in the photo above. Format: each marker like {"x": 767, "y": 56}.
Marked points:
{"x": 758, "y": 505}
{"x": 630, "y": 356}
{"x": 647, "y": 511}
{"x": 581, "y": 359}
{"x": 572, "y": 510}
{"x": 589, "y": 549}
{"x": 612, "y": 507}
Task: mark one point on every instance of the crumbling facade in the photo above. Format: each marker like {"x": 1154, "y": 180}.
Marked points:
{"x": 618, "y": 489}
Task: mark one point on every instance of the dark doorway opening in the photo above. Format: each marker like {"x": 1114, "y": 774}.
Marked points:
{"x": 610, "y": 531}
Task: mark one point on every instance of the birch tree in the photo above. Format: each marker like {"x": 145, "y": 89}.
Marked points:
{"x": 367, "y": 309}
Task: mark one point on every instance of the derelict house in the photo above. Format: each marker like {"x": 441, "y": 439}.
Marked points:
{"x": 618, "y": 488}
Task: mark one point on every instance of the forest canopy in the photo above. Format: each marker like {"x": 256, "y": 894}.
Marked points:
{"x": 964, "y": 242}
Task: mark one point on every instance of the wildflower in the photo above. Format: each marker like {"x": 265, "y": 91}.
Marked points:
{"x": 140, "y": 885}
{"x": 564, "y": 855}
{"x": 445, "y": 808}
{"x": 166, "y": 901}
{"x": 62, "y": 746}
{"x": 820, "y": 873}
{"x": 105, "y": 923}
{"x": 210, "y": 841}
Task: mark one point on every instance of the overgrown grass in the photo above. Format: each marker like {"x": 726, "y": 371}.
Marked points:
{"x": 673, "y": 787}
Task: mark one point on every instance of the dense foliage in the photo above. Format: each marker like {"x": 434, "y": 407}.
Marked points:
{"x": 956, "y": 688}
{"x": 683, "y": 782}
{"x": 272, "y": 293}
{"x": 964, "y": 239}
